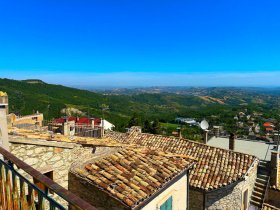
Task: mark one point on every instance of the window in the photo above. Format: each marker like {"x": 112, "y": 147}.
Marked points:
{"x": 245, "y": 200}
{"x": 167, "y": 205}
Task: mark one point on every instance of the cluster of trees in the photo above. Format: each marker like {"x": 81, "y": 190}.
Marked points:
{"x": 148, "y": 126}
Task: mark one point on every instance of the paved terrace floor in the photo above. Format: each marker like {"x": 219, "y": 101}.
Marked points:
{"x": 260, "y": 149}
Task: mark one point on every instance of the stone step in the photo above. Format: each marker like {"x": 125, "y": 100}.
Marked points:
{"x": 262, "y": 172}
{"x": 264, "y": 162}
{"x": 263, "y": 176}
{"x": 256, "y": 198}
{"x": 260, "y": 185}
{"x": 256, "y": 203}
{"x": 262, "y": 181}
{"x": 258, "y": 194}
{"x": 259, "y": 189}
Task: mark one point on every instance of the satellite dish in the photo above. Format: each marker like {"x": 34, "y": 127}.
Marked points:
{"x": 257, "y": 129}
{"x": 204, "y": 125}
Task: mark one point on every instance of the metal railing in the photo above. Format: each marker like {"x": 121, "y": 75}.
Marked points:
{"x": 18, "y": 192}
{"x": 266, "y": 192}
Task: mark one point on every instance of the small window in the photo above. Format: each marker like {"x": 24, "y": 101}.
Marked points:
{"x": 167, "y": 205}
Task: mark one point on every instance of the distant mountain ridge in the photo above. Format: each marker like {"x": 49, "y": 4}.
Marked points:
{"x": 215, "y": 104}
{"x": 34, "y": 81}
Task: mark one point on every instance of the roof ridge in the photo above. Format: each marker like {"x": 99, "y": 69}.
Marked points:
{"x": 199, "y": 143}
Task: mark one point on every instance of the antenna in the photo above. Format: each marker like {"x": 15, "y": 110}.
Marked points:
{"x": 204, "y": 125}
{"x": 257, "y": 128}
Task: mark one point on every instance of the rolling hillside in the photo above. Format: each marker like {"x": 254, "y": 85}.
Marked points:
{"x": 26, "y": 97}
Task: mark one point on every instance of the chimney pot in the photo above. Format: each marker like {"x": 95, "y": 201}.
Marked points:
{"x": 231, "y": 141}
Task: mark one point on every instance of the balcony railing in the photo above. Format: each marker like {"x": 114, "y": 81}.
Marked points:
{"x": 18, "y": 192}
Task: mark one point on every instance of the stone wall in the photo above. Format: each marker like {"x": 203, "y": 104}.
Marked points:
{"x": 196, "y": 200}
{"x": 85, "y": 189}
{"x": 47, "y": 156}
{"x": 93, "y": 195}
{"x": 231, "y": 197}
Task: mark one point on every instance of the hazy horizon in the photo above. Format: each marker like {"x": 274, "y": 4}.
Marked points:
{"x": 141, "y": 43}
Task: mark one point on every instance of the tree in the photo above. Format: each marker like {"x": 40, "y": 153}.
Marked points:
{"x": 147, "y": 127}
{"x": 155, "y": 128}
{"x": 134, "y": 121}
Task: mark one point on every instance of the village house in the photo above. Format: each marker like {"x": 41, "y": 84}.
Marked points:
{"x": 129, "y": 178}
{"x": 221, "y": 179}
{"x": 135, "y": 170}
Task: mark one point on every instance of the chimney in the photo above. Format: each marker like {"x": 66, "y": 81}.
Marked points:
{"x": 102, "y": 128}
{"x": 205, "y": 136}
{"x": 274, "y": 167}
{"x": 231, "y": 141}
{"x": 3, "y": 121}
{"x": 179, "y": 132}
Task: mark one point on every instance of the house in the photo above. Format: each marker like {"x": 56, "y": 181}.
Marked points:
{"x": 85, "y": 121}
{"x": 269, "y": 127}
{"x": 268, "y": 170}
{"x": 129, "y": 178}
{"x": 221, "y": 178}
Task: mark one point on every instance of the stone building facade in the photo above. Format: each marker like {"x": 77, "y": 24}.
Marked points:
{"x": 229, "y": 197}
{"x": 114, "y": 196}
{"x": 48, "y": 157}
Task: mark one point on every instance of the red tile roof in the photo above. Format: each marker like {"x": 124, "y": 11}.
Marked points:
{"x": 97, "y": 121}
{"x": 133, "y": 175}
{"x": 216, "y": 167}
{"x": 59, "y": 120}
{"x": 83, "y": 120}
{"x": 267, "y": 124}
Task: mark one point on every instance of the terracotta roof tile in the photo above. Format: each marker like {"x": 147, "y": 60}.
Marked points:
{"x": 133, "y": 175}
{"x": 269, "y": 207}
{"x": 215, "y": 167}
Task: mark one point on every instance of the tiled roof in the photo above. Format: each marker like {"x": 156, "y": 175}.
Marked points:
{"x": 269, "y": 207}
{"x": 132, "y": 175}
{"x": 32, "y": 134}
{"x": 215, "y": 168}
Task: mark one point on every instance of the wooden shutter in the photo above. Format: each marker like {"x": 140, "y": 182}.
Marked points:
{"x": 167, "y": 205}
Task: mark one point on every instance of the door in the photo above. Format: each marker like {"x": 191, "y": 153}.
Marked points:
{"x": 245, "y": 200}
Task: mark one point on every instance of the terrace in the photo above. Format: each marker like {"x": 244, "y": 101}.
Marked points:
{"x": 18, "y": 192}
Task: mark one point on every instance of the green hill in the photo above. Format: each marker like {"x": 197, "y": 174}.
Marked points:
{"x": 26, "y": 97}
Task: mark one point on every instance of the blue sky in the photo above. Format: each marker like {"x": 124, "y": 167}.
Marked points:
{"x": 141, "y": 43}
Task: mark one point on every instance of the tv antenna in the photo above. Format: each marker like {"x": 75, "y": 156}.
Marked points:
{"x": 257, "y": 128}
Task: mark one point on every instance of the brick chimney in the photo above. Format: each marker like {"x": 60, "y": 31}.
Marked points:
{"x": 231, "y": 141}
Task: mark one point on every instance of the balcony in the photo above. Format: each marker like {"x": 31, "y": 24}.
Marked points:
{"x": 19, "y": 192}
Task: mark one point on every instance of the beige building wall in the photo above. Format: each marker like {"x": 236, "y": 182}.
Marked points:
{"x": 3, "y": 129}
{"x": 177, "y": 190}
{"x": 29, "y": 119}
